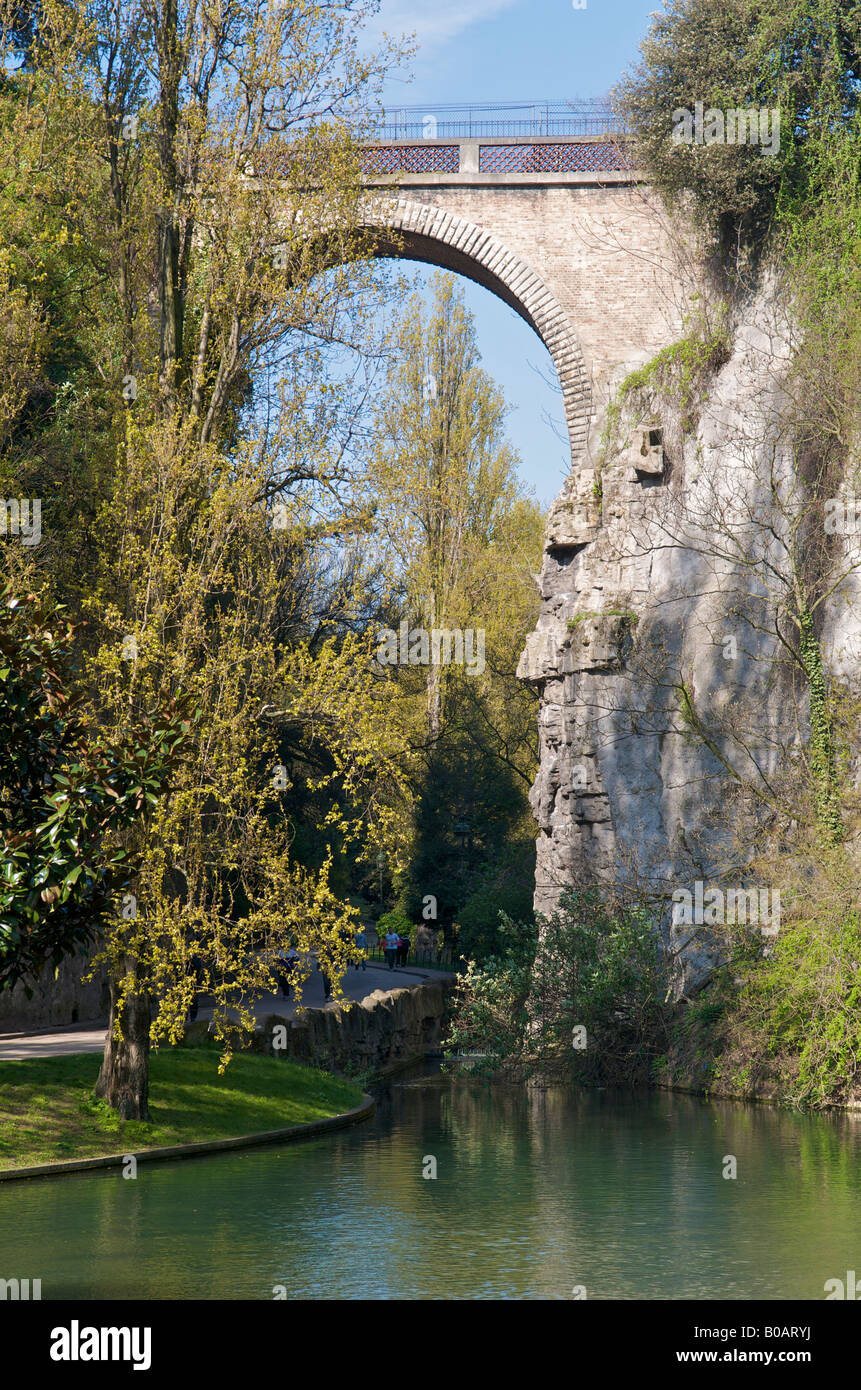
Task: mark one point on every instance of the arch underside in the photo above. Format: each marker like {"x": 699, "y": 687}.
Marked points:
{"x": 425, "y": 233}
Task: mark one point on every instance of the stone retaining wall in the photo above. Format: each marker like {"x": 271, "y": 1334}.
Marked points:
{"x": 374, "y": 1032}
{"x": 57, "y": 999}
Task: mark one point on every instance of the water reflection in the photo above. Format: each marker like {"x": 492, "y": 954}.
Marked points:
{"x": 537, "y": 1191}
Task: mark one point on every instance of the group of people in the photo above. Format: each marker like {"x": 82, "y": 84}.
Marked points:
{"x": 396, "y": 947}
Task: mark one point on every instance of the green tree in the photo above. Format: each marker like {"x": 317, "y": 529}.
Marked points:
{"x": 578, "y": 996}
{"x": 797, "y": 56}
{"x": 67, "y": 793}
{"x": 463, "y": 542}
{"x": 189, "y": 175}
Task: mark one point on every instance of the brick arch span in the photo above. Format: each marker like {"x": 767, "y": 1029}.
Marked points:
{"x": 422, "y": 232}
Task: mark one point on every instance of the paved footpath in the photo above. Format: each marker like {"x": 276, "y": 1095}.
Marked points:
{"x": 90, "y": 1037}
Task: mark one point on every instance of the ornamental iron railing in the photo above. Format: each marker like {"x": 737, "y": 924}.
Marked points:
{"x": 564, "y": 157}
{"x": 411, "y": 159}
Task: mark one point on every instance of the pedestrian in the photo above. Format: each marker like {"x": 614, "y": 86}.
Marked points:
{"x": 327, "y": 984}
{"x": 197, "y": 970}
{"x": 393, "y": 941}
{"x": 362, "y": 946}
{"x": 196, "y": 965}
{"x": 346, "y": 938}
{"x": 403, "y": 950}
{"x": 287, "y": 962}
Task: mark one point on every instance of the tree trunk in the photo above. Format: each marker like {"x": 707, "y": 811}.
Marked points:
{"x": 124, "y": 1078}
{"x": 170, "y": 342}
{"x": 434, "y": 682}
{"x": 434, "y": 702}
{"x": 169, "y": 277}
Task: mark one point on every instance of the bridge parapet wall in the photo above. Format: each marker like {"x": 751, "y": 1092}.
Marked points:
{"x": 548, "y": 155}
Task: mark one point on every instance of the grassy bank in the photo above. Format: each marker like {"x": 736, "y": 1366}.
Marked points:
{"x": 48, "y": 1112}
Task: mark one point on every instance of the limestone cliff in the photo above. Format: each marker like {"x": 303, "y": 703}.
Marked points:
{"x": 658, "y": 673}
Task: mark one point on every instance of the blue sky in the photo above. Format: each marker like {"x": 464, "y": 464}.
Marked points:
{"x": 499, "y": 50}
{"x": 515, "y": 50}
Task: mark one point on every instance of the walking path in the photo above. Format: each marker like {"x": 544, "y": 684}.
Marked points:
{"x": 90, "y": 1037}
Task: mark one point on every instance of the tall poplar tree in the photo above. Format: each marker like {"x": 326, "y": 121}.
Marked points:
{"x": 465, "y": 540}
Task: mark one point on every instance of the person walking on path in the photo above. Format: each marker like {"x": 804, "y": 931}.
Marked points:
{"x": 403, "y": 950}
{"x": 286, "y": 964}
{"x": 197, "y": 974}
{"x": 346, "y": 937}
{"x": 393, "y": 941}
{"x": 361, "y": 946}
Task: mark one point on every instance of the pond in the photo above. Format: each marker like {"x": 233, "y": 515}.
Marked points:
{"x": 537, "y": 1193}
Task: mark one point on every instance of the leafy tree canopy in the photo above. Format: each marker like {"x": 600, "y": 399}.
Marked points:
{"x": 65, "y": 792}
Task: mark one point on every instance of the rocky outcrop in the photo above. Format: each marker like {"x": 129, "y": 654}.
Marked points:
{"x": 657, "y": 553}
{"x": 385, "y": 1027}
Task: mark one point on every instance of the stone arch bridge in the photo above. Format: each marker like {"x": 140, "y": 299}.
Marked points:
{"x": 562, "y": 229}
{"x": 568, "y": 234}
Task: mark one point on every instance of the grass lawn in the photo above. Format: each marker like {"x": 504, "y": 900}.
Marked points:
{"x": 48, "y": 1112}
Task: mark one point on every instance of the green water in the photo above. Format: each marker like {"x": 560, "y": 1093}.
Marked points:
{"x": 537, "y": 1192}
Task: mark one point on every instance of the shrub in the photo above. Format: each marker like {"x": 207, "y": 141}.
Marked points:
{"x": 792, "y": 1026}
{"x": 396, "y": 920}
{"x": 798, "y": 56}
{"x": 489, "y": 1012}
{"x": 598, "y": 969}
{"x": 594, "y": 965}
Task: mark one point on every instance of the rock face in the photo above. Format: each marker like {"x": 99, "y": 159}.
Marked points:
{"x": 383, "y": 1028}
{"x": 659, "y": 565}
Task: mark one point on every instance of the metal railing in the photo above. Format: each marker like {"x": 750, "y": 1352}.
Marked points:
{"x": 529, "y": 119}
{"x": 496, "y": 130}
{"x": 444, "y": 958}
{"x": 571, "y": 156}
{"x": 411, "y": 159}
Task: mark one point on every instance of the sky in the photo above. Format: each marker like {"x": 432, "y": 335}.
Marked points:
{"x": 514, "y": 50}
